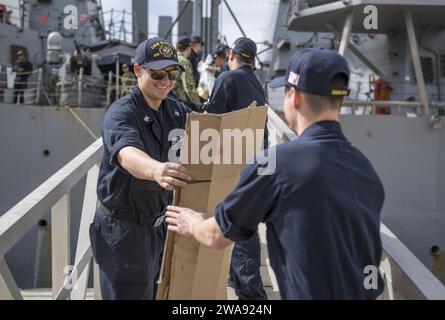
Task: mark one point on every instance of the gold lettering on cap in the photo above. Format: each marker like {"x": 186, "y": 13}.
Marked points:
{"x": 166, "y": 50}
{"x": 339, "y": 92}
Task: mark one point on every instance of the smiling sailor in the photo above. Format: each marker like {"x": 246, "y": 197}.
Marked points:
{"x": 136, "y": 178}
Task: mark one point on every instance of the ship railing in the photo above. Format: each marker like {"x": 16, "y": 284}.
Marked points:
{"x": 78, "y": 86}
{"x": 68, "y": 281}
{"x": 401, "y": 108}
{"x": 33, "y": 86}
{"x": 404, "y": 275}
{"x": 117, "y": 24}
{"x": 370, "y": 107}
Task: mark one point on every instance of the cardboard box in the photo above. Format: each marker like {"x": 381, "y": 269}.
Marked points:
{"x": 190, "y": 270}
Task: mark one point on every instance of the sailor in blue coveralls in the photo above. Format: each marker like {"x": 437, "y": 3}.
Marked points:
{"x": 23, "y": 68}
{"x": 136, "y": 178}
{"x": 233, "y": 90}
{"x": 323, "y": 202}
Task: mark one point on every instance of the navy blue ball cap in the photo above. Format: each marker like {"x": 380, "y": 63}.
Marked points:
{"x": 224, "y": 47}
{"x": 218, "y": 52}
{"x": 156, "y": 54}
{"x": 196, "y": 39}
{"x": 184, "y": 42}
{"x": 245, "y": 47}
{"x": 312, "y": 70}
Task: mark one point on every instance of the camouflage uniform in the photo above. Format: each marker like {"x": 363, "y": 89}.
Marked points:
{"x": 127, "y": 80}
{"x": 185, "y": 89}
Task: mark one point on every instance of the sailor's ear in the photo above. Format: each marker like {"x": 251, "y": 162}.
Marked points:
{"x": 231, "y": 55}
{"x": 295, "y": 95}
{"x": 137, "y": 70}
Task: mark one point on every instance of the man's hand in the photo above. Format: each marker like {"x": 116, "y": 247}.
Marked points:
{"x": 171, "y": 175}
{"x": 140, "y": 165}
{"x": 183, "y": 220}
{"x": 187, "y": 222}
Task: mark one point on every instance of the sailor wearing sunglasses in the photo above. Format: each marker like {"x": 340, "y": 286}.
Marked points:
{"x": 136, "y": 178}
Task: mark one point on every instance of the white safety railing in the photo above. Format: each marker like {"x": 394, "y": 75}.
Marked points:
{"x": 85, "y": 90}
{"x": 81, "y": 90}
{"x": 54, "y": 195}
{"x": 363, "y": 107}
{"x": 404, "y": 275}
{"x": 29, "y": 91}
{"x": 75, "y": 92}
{"x": 369, "y": 107}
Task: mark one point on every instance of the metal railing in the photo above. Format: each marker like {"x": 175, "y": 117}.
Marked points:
{"x": 30, "y": 95}
{"x": 368, "y": 107}
{"x": 82, "y": 88}
{"x": 85, "y": 90}
{"x": 400, "y": 107}
{"x": 405, "y": 276}
{"x": 54, "y": 195}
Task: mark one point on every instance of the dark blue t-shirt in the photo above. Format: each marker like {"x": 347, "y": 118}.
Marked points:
{"x": 25, "y": 69}
{"x": 235, "y": 90}
{"x": 131, "y": 122}
{"x": 322, "y": 210}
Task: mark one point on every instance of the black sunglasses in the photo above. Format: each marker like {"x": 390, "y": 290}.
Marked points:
{"x": 160, "y": 74}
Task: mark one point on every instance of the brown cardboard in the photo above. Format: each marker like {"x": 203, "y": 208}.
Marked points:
{"x": 190, "y": 270}
{"x": 252, "y": 118}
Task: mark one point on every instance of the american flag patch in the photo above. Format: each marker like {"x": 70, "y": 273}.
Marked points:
{"x": 293, "y": 78}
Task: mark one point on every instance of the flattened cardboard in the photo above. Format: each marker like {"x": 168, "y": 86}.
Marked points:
{"x": 190, "y": 270}
{"x": 249, "y": 118}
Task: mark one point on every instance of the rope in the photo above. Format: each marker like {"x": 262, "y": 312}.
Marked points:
{"x": 18, "y": 90}
{"x": 19, "y": 73}
{"x": 21, "y": 82}
{"x": 46, "y": 96}
{"x": 70, "y": 110}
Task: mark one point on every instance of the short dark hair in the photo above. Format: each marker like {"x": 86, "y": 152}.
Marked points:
{"x": 181, "y": 47}
{"x": 242, "y": 59}
{"x": 319, "y": 103}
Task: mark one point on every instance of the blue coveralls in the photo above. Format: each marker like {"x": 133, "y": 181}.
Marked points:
{"x": 235, "y": 90}
{"x": 23, "y": 70}
{"x": 322, "y": 209}
{"x": 127, "y": 238}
